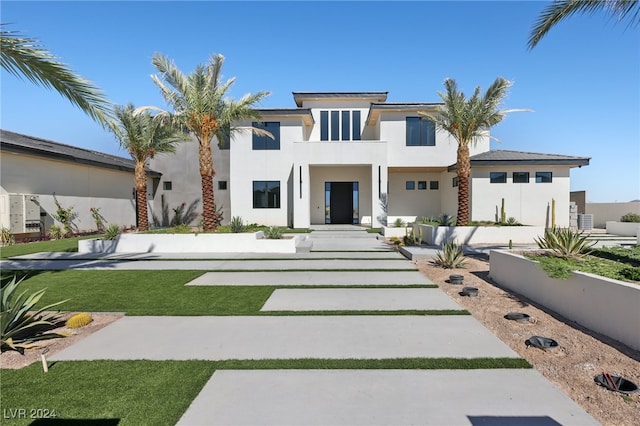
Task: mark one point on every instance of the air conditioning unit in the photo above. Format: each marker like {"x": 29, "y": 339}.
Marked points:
{"x": 585, "y": 221}
{"x": 24, "y": 213}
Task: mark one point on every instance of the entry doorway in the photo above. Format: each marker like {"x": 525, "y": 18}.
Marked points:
{"x": 341, "y": 203}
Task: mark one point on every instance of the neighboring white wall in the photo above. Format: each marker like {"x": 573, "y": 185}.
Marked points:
{"x": 417, "y": 202}
{"x": 75, "y": 185}
{"x": 182, "y": 170}
{"x": 605, "y": 212}
{"x": 606, "y": 306}
{"x": 529, "y": 203}
{"x": 624, "y": 229}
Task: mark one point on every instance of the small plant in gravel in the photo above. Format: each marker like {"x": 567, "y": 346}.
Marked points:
{"x": 79, "y": 320}
{"x": 451, "y": 256}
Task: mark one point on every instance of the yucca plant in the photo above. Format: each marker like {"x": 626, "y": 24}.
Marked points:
{"x": 21, "y": 323}
{"x": 446, "y": 220}
{"x": 565, "y": 243}
{"x": 451, "y": 256}
{"x": 112, "y": 232}
{"x": 237, "y": 225}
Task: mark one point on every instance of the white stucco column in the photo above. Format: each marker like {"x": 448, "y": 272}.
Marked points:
{"x": 301, "y": 199}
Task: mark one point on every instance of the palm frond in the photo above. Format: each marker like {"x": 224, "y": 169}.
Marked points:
{"x": 560, "y": 10}
{"x": 24, "y": 58}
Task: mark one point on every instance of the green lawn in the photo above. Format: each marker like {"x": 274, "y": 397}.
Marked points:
{"x": 66, "y": 245}
{"x": 159, "y": 392}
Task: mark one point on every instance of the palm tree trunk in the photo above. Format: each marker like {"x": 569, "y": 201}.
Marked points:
{"x": 464, "y": 172}
{"x": 207, "y": 173}
{"x": 141, "y": 196}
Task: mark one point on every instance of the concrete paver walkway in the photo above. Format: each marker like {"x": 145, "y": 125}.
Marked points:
{"x": 362, "y": 299}
{"x": 289, "y": 337}
{"x": 383, "y": 397}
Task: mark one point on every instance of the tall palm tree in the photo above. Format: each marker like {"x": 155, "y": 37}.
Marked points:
{"x": 200, "y": 105}
{"x": 562, "y": 9}
{"x": 143, "y": 136}
{"x": 24, "y": 57}
{"x": 467, "y": 120}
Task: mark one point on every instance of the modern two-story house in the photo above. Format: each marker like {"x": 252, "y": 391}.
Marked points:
{"x": 346, "y": 157}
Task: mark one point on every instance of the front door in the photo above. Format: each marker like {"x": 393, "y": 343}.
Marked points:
{"x": 341, "y": 202}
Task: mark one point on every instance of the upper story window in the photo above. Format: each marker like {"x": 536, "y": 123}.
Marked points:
{"x": 544, "y": 177}
{"x": 520, "y": 177}
{"x": 224, "y": 139}
{"x": 340, "y": 125}
{"x": 265, "y": 142}
{"x": 420, "y": 132}
{"x": 498, "y": 177}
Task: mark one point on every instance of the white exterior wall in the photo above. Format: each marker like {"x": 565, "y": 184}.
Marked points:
{"x": 529, "y": 203}
{"x": 182, "y": 170}
{"x": 418, "y": 203}
{"x": 449, "y": 194}
{"x": 248, "y": 165}
{"x": 335, "y": 105}
{"x": 393, "y": 129}
{"x": 610, "y": 212}
{"x": 78, "y": 185}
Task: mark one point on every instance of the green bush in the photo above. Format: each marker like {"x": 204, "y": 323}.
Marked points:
{"x": 630, "y": 217}
{"x": 631, "y": 273}
{"x": 565, "y": 243}
{"x": 273, "y": 233}
{"x": 399, "y": 223}
{"x": 112, "y": 232}
{"x": 20, "y": 323}
{"x": 57, "y": 232}
{"x": 451, "y": 256}
{"x": 412, "y": 239}
{"x": 237, "y": 225}
{"x": 7, "y": 238}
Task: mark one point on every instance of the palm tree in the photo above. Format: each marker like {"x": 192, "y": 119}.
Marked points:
{"x": 467, "y": 120}
{"x": 143, "y": 136}
{"x": 200, "y": 106}
{"x": 562, "y": 9}
{"x": 24, "y": 57}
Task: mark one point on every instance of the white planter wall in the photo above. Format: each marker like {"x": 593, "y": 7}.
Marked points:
{"x": 623, "y": 229}
{"x": 606, "y": 306}
{"x": 192, "y": 243}
{"x": 437, "y": 235}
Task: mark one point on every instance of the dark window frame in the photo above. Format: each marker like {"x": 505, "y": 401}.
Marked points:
{"x": 544, "y": 177}
{"x": 267, "y": 202}
{"x": 346, "y": 125}
{"x": 265, "y": 143}
{"x": 455, "y": 181}
{"x": 335, "y": 125}
{"x": 324, "y": 125}
{"x": 434, "y": 185}
{"x": 167, "y": 185}
{"x": 410, "y": 185}
{"x": 420, "y": 131}
{"x": 520, "y": 177}
{"x": 497, "y": 177}
{"x": 355, "y": 128}
{"x": 222, "y": 185}
{"x": 422, "y": 185}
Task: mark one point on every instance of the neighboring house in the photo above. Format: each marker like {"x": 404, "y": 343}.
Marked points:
{"x": 337, "y": 155}
{"x": 33, "y": 169}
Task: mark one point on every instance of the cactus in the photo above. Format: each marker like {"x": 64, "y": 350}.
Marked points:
{"x": 79, "y": 320}
{"x": 503, "y": 214}
{"x": 553, "y": 213}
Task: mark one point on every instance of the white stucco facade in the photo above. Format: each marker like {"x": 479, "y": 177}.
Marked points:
{"x": 336, "y": 154}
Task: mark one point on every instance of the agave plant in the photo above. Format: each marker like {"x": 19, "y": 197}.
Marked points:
{"x": 21, "y": 323}
{"x": 565, "y": 243}
{"x": 451, "y": 256}
{"x": 237, "y": 224}
{"x": 274, "y": 233}
{"x": 446, "y": 220}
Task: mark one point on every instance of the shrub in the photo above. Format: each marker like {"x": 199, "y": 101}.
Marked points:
{"x": 631, "y": 273}
{"x": 97, "y": 218}
{"x": 451, "y": 256}
{"x": 446, "y": 220}
{"x": 64, "y": 215}
{"x": 7, "y": 238}
{"x": 274, "y": 233}
{"x": 399, "y": 223}
{"x": 411, "y": 239}
{"x": 565, "y": 243}
{"x": 237, "y": 225}
{"x": 20, "y": 323}
{"x": 112, "y": 232}
{"x": 397, "y": 242}
{"x": 512, "y": 221}
{"x": 630, "y": 217}
{"x": 79, "y": 320}
{"x": 57, "y": 232}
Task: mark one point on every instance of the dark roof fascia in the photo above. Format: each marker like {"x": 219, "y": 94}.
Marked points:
{"x": 38, "y": 152}
{"x": 381, "y": 96}
{"x": 573, "y": 162}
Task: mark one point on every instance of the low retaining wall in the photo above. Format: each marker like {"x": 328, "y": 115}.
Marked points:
{"x": 390, "y": 231}
{"x": 191, "y": 243}
{"x": 623, "y": 229}
{"x": 606, "y": 306}
{"x": 437, "y": 235}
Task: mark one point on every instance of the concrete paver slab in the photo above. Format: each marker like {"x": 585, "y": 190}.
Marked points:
{"x": 289, "y": 337}
{"x": 290, "y": 278}
{"x": 369, "y": 299}
{"x": 382, "y": 397}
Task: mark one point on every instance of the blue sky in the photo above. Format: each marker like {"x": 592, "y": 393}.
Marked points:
{"x": 582, "y": 81}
